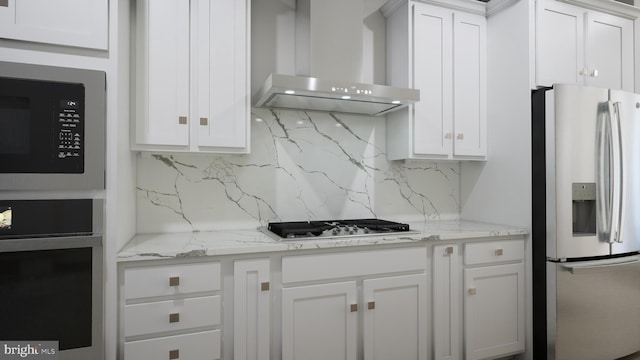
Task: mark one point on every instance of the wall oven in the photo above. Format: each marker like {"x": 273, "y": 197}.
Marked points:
{"x": 52, "y": 126}
{"x": 51, "y": 274}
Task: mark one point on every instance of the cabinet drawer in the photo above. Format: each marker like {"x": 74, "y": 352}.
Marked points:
{"x": 171, "y": 280}
{"x": 494, "y": 251}
{"x": 171, "y": 315}
{"x": 361, "y": 263}
{"x": 202, "y": 345}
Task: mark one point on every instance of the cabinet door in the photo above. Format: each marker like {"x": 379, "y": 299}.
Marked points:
{"x": 222, "y": 73}
{"x": 81, "y": 23}
{"x": 560, "y": 43}
{"x": 251, "y": 309}
{"x": 494, "y": 311}
{"x": 432, "y": 74}
{"x": 446, "y": 302}
{"x": 609, "y": 51}
{"x": 469, "y": 84}
{"x": 162, "y": 72}
{"x": 395, "y": 317}
{"x": 319, "y": 322}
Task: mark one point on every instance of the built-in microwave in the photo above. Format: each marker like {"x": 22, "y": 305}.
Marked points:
{"x": 52, "y": 128}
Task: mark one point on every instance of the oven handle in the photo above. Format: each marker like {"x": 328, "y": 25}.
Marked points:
{"x": 50, "y": 243}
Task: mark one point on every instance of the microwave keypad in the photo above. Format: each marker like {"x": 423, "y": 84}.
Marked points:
{"x": 69, "y": 133}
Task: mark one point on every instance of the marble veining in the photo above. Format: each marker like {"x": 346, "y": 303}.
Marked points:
{"x": 302, "y": 166}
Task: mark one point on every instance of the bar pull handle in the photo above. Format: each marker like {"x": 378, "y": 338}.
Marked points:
{"x": 182, "y": 120}
{"x": 174, "y": 354}
{"x": 4, "y": 3}
{"x": 174, "y": 281}
{"x": 371, "y": 305}
{"x": 265, "y": 286}
{"x": 354, "y": 307}
{"x": 174, "y": 318}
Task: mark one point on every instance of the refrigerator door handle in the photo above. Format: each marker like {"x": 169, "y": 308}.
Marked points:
{"x": 617, "y": 191}
{"x": 609, "y": 173}
{"x": 586, "y": 267}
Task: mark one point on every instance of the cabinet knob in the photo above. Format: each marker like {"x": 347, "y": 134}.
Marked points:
{"x": 174, "y": 318}
{"x": 174, "y": 354}
{"x": 448, "y": 250}
{"x": 182, "y": 120}
{"x": 354, "y": 307}
{"x": 204, "y": 121}
{"x": 594, "y": 73}
{"x": 499, "y": 252}
{"x": 583, "y": 72}
{"x": 473, "y": 291}
{"x": 174, "y": 281}
{"x": 4, "y": 3}
{"x": 460, "y": 136}
{"x": 371, "y": 305}
{"x": 447, "y": 136}
{"x": 264, "y": 286}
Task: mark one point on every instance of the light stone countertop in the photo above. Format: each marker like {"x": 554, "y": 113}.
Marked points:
{"x": 236, "y": 242}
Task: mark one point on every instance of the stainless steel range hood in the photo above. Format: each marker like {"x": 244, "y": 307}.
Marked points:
{"x": 328, "y": 66}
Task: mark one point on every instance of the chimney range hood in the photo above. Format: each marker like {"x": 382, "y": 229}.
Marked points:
{"x": 328, "y": 60}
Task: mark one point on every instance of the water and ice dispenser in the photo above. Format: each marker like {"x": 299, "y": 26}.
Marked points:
{"x": 584, "y": 208}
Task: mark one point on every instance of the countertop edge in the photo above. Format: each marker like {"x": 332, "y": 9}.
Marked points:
{"x": 242, "y": 242}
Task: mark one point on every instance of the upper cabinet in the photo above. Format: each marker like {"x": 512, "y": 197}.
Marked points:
{"x": 580, "y": 46}
{"x": 443, "y": 53}
{"x": 192, "y": 76}
{"x": 64, "y": 22}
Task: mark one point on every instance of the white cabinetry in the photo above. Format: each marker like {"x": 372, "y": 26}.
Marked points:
{"x": 320, "y": 314}
{"x": 192, "y": 76}
{"x": 172, "y": 312}
{"x": 491, "y": 299}
{"x": 443, "y": 53}
{"x": 580, "y": 46}
{"x": 63, "y": 22}
{"x": 252, "y": 309}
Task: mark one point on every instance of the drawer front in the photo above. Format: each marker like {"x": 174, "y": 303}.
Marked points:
{"x": 494, "y": 251}
{"x": 160, "y": 316}
{"x": 197, "y": 346}
{"x": 360, "y": 263}
{"x": 171, "y": 280}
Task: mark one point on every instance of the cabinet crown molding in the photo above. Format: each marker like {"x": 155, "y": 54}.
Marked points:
{"x": 469, "y": 6}
{"x": 608, "y": 6}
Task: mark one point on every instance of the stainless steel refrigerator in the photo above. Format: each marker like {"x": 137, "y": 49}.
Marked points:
{"x": 586, "y": 223}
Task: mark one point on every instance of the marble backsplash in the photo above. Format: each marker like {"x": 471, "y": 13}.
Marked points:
{"x": 302, "y": 166}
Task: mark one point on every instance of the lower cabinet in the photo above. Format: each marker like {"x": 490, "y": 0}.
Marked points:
{"x": 478, "y": 300}
{"x": 323, "y": 320}
{"x": 171, "y": 311}
{"x": 320, "y": 322}
{"x": 251, "y": 309}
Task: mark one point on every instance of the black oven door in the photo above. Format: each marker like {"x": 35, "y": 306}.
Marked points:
{"x": 41, "y": 127}
{"x": 51, "y": 290}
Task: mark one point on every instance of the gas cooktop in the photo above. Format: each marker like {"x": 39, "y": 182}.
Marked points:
{"x": 327, "y": 229}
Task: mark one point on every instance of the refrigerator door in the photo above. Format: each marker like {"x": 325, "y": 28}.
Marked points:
{"x": 576, "y": 226}
{"x": 593, "y": 309}
{"x": 627, "y": 106}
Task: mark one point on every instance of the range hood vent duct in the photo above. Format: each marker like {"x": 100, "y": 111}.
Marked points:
{"x": 328, "y": 66}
